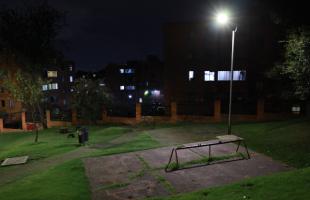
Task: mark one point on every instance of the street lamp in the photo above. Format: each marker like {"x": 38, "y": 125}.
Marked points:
{"x": 222, "y": 18}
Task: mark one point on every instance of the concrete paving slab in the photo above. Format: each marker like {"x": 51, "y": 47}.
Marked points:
{"x": 222, "y": 173}
{"x": 119, "y": 169}
{"x": 146, "y": 186}
{"x": 160, "y": 157}
{"x": 15, "y": 161}
{"x": 110, "y": 170}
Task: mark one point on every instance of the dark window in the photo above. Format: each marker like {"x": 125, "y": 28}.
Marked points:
{"x": 3, "y": 103}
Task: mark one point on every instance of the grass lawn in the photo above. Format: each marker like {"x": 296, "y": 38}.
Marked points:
{"x": 287, "y": 141}
{"x": 66, "y": 181}
{"x": 51, "y": 142}
{"x": 293, "y": 185}
{"x": 141, "y": 141}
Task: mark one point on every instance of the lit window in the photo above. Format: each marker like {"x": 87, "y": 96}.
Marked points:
{"x": 130, "y": 87}
{"x": 71, "y": 79}
{"x": 223, "y": 75}
{"x": 129, "y": 71}
{"x": 44, "y": 87}
{"x": 296, "y": 109}
{"x": 140, "y": 100}
{"x": 239, "y": 75}
{"x": 51, "y": 74}
{"x": 190, "y": 75}
{"x": 209, "y": 76}
{"x": 156, "y": 92}
{"x": 53, "y": 86}
{"x": 122, "y": 87}
{"x": 121, "y": 71}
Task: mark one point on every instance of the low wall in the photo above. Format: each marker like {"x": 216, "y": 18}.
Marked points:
{"x": 120, "y": 120}
{"x": 58, "y": 124}
{"x": 197, "y": 118}
{"x": 157, "y": 119}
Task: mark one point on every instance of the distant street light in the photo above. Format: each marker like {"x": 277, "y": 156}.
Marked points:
{"x": 223, "y": 18}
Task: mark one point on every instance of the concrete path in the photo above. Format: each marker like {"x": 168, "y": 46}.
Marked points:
{"x": 140, "y": 174}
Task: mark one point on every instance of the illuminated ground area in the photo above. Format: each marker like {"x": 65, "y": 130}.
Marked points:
{"x": 56, "y": 171}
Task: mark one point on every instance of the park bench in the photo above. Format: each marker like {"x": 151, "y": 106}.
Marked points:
{"x": 223, "y": 139}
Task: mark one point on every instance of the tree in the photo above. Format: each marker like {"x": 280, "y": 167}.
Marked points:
{"x": 26, "y": 89}
{"x": 89, "y": 97}
{"x": 27, "y": 42}
{"x": 295, "y": 67}
{"x": 28, "y": 35}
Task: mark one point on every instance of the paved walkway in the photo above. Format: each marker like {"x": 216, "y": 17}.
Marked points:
{"x": 140, "y": 174}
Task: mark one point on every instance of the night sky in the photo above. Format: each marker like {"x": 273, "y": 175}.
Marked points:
{"x": 101, "y": 31}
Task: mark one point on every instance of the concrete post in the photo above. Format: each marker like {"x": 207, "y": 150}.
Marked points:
{"x": 260, "y": 109}
{"x": 217, "y": 110}
{"x": 24, "y": 124}
{"x": 74, "y": 118}
{"x": 174, "y": 112}
{"x": 48, "y": 118}
{"x": 138, "y": 112}
{"x": 1, "y": 125}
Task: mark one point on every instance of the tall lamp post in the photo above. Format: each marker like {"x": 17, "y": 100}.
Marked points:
{"x": 222, "y": 18}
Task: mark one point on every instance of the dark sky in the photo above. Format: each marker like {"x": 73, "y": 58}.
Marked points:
{"x": 104, "y": 31}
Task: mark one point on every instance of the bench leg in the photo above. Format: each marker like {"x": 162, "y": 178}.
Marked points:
{"x": 246, "y": 148}
{"x": 166, "y": 169}
{"x": 209, "y": 152}
{"x": 176, "y": 158}
{"x": 238, "y": 146}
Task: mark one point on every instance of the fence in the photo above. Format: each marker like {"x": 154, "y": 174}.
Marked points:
{"x": 200, "y": 109}
{"x": 239, "y": 106}
{"x": 213, "y": 112}
{"x": 121, "y": 110}
{"x": 11, "y": 122}
{"x": 59, "y": 114}
{"x": 155, "y": 110}
{"x": 32, "y": 117}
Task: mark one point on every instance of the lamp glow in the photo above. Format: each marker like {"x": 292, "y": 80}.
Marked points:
{"x": 222, "y": 18}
